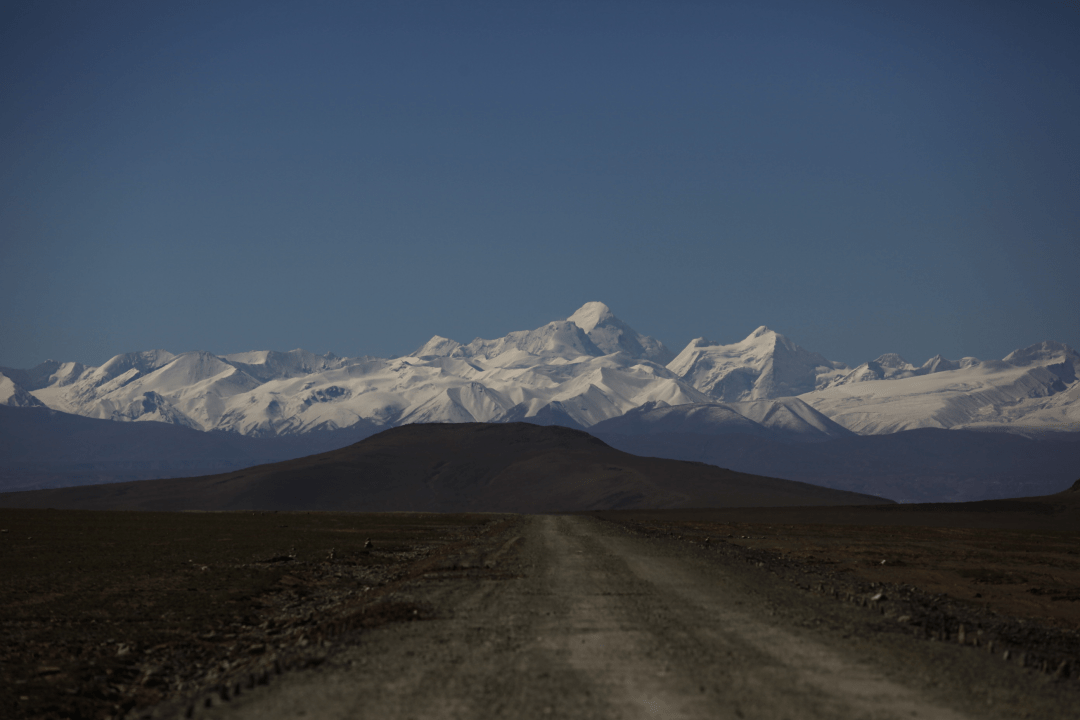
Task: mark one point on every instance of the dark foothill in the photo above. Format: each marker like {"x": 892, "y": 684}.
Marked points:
{"x": 455, "y": 467}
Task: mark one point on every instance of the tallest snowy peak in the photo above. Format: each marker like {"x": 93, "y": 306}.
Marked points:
{"x": 760, "y": 332}
{"x": 611, "y": 334}
{"x": 591, "y": 314}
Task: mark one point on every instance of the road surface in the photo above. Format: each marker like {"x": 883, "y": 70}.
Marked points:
{"x": 571, "y": 617}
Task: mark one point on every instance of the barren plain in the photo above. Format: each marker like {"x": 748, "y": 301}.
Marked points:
{"x": 762, "y": 613}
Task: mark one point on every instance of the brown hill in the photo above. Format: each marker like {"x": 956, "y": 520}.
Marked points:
{"x": 512, "y": 467}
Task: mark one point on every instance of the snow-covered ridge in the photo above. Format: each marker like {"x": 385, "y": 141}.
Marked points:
{"x": 1031, "y": 389}
{"x": 580, "y": 371}
{"x": 764, "y": 365}
{"x": 781, "y": 418}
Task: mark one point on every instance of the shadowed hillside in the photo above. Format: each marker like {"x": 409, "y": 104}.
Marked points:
{"x": 912, "y": 466}
{"x": 514, "y": 467}
{"x": 42, "y": 448}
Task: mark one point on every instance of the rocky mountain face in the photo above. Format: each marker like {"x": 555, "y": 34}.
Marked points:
{"x": 587, "y": 369}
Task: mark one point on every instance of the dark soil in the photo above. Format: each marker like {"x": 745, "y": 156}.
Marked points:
{"x": 110, "y": 614}
{"x": 1015, "y": 593}
{"x": 104, "y": 613}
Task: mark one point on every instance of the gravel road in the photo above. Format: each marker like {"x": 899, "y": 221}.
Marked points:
{"x": 571, "y": 617}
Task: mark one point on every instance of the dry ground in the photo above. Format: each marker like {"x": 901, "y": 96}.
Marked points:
{"x": 572, "y": 617}
{"x": 628, "y": 614}
{"x": 102, "y": 613}
{"x": 1011, "y": 573}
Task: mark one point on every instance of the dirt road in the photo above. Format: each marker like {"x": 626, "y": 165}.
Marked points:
{"x": 570, "y": 617}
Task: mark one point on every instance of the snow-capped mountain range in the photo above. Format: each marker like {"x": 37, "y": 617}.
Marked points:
{"x": 581, "y": 371}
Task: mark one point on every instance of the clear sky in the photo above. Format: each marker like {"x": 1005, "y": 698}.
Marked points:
{"x": 355, "y": 177}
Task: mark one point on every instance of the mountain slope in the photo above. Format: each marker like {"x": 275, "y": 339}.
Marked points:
{"x": 783, "y": 419}
{"x": 1033, "y": 386}
{"x": 511, "y": 467}
{"x": 612, "y": 335}
{"x": 891, "y": 366}
{"x": 791, "y": 418}
{"x": 924, "y": 465}
{"x": 762, "y": 366}
{"x": 43, "y": 448}
{"x": 14, "y": 395}
{"x": 697, "y": 418}
{"x": 577, "y": 372}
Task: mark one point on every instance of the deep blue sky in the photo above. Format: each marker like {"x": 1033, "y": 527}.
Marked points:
{"x": 864, "y": 177}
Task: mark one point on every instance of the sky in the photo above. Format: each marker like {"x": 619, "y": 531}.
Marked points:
{"x": 862, "y": 177}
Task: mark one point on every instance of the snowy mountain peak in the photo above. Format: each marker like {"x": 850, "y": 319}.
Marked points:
{"x": 892, "y": 360}
{"x": 760, "y": 332}
{"x": 143, "y": 362}
{"x": 764, "y": 365}
{"x": 939, "y": 364}
{"x": 12, "y": 394}
{"x": 1042, "y": 353}
{"x": 580, "y": 371}
{"x": 559, "y": 339}
{"x": 590, "y": 315}
{"x": 438, "y": 346}
{"x": 612, "y": 335}
{"x": 765, "y": 340}
{"x": 266, "y": 365}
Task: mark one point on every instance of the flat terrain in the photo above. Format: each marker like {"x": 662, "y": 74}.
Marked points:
{"x": 102, "y": 613}
{"x": 1009, "y": 564}
{"x": 574, "y": 617}
{"x": 621, "y": 614}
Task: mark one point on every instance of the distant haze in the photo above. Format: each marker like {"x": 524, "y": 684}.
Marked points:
{"x": 357, "y": 177}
